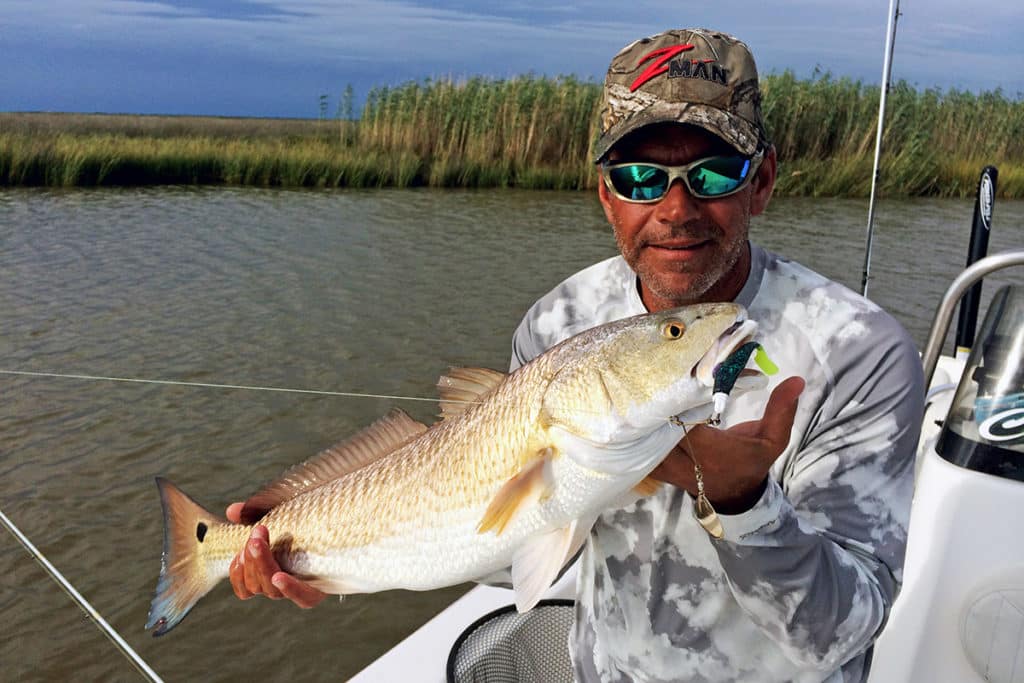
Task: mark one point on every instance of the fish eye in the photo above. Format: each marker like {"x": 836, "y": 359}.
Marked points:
{"x": 673, "y": 329}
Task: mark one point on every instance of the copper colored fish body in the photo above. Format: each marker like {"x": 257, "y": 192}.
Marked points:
{"x": 512, "y": 476}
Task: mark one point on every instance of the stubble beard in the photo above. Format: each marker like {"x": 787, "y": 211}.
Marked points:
{"x": 728, "y": 253}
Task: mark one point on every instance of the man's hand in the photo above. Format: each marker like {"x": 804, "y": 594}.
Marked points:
{"x": 734, "y": 461}
{"x": 254, "y": 570}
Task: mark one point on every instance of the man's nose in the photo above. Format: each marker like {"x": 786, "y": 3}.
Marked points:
{"x": 677, "y": 206}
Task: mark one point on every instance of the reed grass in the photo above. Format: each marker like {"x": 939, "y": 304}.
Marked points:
{"x": 523, "y": 132}
{"x": 150, "y": 126}
{"x": 934, "y": 144}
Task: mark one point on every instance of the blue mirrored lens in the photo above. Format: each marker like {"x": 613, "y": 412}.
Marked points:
{"x": 639, "y": 181}
{"x": 718, "y": 175}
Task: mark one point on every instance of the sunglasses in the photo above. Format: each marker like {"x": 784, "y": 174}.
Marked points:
{"x": 711, "y": 177}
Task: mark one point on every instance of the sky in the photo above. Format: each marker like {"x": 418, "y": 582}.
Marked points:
{"x": 277, "y": 57}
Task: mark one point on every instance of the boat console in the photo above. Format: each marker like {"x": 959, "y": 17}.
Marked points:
{"x": 960, "y": 614}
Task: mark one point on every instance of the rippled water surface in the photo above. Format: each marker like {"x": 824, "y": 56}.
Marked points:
{"x": 375, "y": 291}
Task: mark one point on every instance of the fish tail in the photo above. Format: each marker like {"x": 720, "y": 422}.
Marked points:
{"x": 185, "y": 576}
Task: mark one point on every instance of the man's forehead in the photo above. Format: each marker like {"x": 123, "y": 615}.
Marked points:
{"x": 676, "y": 142}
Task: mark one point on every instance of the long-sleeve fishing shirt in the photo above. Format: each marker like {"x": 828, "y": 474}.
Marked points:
{"x": 800, "y": 584}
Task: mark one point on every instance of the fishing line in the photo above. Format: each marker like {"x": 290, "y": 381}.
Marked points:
{"x": 207, "y": 385}
{"x": 246, "y": 387}
{"x": 89, "y": 610}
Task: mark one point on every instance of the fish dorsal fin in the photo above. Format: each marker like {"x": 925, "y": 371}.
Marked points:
{"x": 461, "y": 388}
{"x": 369, "y": 444}
{"x": 528, "y": 486}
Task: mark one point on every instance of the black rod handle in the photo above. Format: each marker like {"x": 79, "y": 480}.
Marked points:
{"x": 981, "y": 226}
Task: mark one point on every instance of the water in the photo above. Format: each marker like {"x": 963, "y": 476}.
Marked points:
{"x": 370, "y": 291}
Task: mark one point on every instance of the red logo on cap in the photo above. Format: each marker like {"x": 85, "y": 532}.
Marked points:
{"x": 658, "y": 67}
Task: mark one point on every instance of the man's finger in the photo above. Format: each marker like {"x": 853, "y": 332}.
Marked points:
{"x": 299, "y": 592}
{"x": 260, "y": 564}
{"x": 781, "y": 410}
{"x": 236, "y": 574}
{"x": 250, "y": 578}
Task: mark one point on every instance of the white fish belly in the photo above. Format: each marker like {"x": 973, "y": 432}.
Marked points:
{"x": 416, "y": 558}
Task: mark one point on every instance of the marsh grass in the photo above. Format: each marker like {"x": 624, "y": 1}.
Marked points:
{"x": 131, "y": 125}
{"x": 935, "y": 144}
{"x": 523, "y": 132}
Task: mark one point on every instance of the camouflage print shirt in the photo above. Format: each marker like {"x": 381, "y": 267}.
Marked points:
{"x": 800, "y": 584}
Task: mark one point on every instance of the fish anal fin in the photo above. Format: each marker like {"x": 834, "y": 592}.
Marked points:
{"x": 335, "y": 586}
{"x": 382, "y": 437}
{"x": 537, "y": 563}
{"x": 647, "y": 486}
{"x": 460, "y": 388}
{"x": 530, "y": 485}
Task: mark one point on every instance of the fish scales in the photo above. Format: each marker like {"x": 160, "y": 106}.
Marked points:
{"x": 413, "y": 487}
{"x": 406, "y": 494}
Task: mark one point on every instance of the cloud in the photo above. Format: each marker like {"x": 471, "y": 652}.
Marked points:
{"x": 214, "y": 45}
{"x": 223, "y": 9}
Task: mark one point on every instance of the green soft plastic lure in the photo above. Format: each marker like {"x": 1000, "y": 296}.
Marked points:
{"x": 728, "y": 371}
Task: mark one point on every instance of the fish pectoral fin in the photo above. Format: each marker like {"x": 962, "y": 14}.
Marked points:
{"x": 537, "y": 563}
{"x": 531, "y": 485}
{"x": 461, "y": 388}
{"x": 381, "y": 438}
{"x": 647, "y": 486}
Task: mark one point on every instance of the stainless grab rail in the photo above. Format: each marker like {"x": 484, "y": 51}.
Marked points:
{"x": 959, "y": 286}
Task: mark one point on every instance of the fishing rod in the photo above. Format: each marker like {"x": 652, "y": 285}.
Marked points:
{"x": 89, "y": 610}
{"x": 890, "y": 41}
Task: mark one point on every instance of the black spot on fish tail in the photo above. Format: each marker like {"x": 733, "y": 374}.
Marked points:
{"x": 201, "y": 531}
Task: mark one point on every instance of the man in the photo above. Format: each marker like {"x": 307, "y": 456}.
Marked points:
{"x": 813, "y": 495}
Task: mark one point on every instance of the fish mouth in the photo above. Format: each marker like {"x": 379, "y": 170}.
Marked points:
{"x": 736, "y": 335}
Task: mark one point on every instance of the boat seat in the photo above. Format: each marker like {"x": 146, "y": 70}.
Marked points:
{"x": 505, "y": 646}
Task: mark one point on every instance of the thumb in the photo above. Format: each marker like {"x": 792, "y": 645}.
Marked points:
{"x": 780, "y": 412}
{"x": 234, "y": 512}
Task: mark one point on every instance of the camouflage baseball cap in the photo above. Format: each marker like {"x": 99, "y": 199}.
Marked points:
{"x": 696, "y": 76}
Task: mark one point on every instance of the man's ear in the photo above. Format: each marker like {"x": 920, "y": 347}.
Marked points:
{"x": 605, "y": 196}
{"x": 764, "y": 182}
